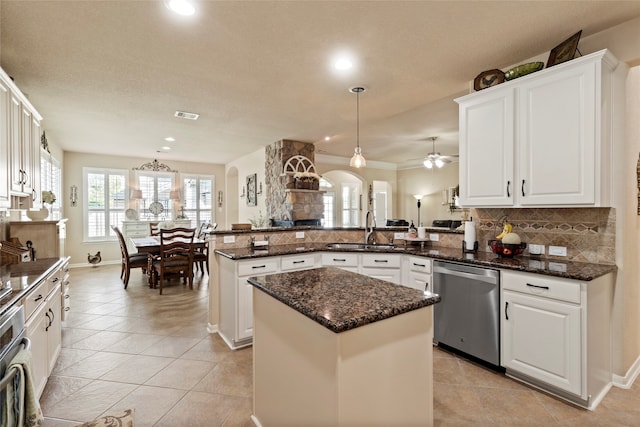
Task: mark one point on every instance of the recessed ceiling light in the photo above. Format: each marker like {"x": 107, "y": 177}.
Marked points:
{"x": 327, "y": 138}
{"x": 343, "y": 64}
{"x": 166, "y": 148}
{"x": 181, "y": 7}
{"x": 170, "y": 139}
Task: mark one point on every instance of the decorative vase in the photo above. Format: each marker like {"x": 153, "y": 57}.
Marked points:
{"x": 38, "y": 215}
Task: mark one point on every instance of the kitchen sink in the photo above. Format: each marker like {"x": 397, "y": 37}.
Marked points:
{"x": 363, "y": 247}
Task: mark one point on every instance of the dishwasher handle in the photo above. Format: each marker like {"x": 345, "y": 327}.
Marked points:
{"x": 480, "y": 277}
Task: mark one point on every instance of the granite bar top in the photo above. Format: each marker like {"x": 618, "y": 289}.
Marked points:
{"x": 23, "y": 277}
{"x": 318, "y": 227}
{"x": 341, "y": 300}
{"x": 567, "y": 269}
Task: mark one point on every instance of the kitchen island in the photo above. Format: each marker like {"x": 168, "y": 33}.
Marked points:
{"x": 335, "y": 348}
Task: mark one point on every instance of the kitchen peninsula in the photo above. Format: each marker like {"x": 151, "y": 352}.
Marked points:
{"x": 343, "y": 348}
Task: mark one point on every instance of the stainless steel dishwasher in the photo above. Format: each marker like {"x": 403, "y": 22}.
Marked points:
{"x": 467, "y": 318}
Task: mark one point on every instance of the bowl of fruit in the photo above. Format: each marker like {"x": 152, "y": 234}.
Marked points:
{"x": 507, "y": 244}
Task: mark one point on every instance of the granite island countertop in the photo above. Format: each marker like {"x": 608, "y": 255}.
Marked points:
{"x": 551, "y": 267}
{"x": 341, "y": 300}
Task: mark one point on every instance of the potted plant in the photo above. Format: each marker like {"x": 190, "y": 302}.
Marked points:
{"x": 306, "y": 180}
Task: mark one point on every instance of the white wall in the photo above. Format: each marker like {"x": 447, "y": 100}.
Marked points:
{"x": 246, "y": 165}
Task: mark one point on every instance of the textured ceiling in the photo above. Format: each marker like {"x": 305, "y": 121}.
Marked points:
{"x": 108, "y": 75}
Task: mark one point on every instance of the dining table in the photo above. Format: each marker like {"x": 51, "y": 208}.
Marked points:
{"x": 151, "y": 246}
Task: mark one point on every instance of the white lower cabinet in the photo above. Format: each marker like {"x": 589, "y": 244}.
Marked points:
{"x": 417, "y": 273}
{"x": 382, "y": 266}
{"x": 556, "y": 334}
{"x": 44, "y": 329}
{"x": 344, "y": 260}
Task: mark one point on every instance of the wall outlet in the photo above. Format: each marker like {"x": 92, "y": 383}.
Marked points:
{"x": 536, "y": 249}
{"x": 434, "y": 237}
{"x": 229, "y": 239}
{"x": 299, "y": 234}
{"x": 398, "y": 236}
{"x": 558, "y": 250}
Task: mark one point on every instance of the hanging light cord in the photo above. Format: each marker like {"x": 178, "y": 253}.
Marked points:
{"x": 358, "y": 119}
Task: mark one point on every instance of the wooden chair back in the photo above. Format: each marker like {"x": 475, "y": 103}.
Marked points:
{"x": 154, "y": 228}
{"x": 176, "y": 253}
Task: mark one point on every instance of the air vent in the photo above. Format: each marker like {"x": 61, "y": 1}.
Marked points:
{"x": 185, "y": 115}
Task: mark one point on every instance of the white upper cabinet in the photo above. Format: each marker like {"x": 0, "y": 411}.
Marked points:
{"x": 543, "y": 139}
{"x": 5, "y": 201}
{"x": 22, "y": 143}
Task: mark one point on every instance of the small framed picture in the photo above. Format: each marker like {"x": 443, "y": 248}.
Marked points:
{"x": 565, "y": 51}
{"x": 487, "y": 79}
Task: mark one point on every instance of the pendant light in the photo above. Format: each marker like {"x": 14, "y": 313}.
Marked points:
{"x": 357, "y": 161}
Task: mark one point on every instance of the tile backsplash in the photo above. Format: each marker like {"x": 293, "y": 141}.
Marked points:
{"x": 587, "y": 233}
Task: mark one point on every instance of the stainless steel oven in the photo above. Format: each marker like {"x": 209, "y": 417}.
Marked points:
{"x": 12, "y": 340}
{"x": 467, "y": 318}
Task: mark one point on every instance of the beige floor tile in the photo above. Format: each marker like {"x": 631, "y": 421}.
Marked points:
{"x": 91, "y": 401}
{"x": 228, "y": 377}
{"x": 71, "y": 356}
{"x": 101, "y": 340}
{"x": 73, "y": 335}
{"x": 181, "y": 374}
{"x": 58, "y": 388}
{"x": 135, "y": 343}
{"x": 211, "y": 349}
{"x": 95, "y": 366}
{"x": 150, "y": 403}
{"x": 52, "y": 422}
{"x": 137, "y": 369}
{"x": 103, "y": 322}
{"x": 199, "y": 409}
{"x": 171, "y": 347}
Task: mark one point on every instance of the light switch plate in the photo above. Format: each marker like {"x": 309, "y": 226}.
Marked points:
{"x": 434, "y": 237}
{"x": 558, "y": 250}
{"x": 229, "y": 239}
{"x": 299, "y": 234}
{"x": 536, "y": 249}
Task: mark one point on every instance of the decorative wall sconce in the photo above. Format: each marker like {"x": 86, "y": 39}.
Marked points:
{"x": 243, "y": 194}
{"x": 259, "y": 189}
{"x": 418, "y": 199}
{"x": 74, "y": 195}
{"x": 219, "y": 199}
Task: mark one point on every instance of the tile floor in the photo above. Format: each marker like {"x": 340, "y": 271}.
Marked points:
{"x": 137, "y": 349}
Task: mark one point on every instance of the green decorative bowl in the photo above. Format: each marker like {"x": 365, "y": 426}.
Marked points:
{"x": 523, "y": 70}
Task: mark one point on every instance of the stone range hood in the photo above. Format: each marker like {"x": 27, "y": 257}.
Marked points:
{"x": 287, "y": 205}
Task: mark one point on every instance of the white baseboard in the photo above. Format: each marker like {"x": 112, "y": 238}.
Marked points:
{"x": 212, "y": 328}
{"x": 630, "y": 376}
{"x": 86, "y": 264}
{"x": 256, "y": 421}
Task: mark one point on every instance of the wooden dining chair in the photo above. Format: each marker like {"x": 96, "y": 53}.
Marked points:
{"x": 176, "y": 256}
{"x": 154, "y": 228}
{"x": 129, "y": 261}
{"x": 201, "y": 254}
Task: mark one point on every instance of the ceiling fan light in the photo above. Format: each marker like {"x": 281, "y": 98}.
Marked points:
{"x": 358, "y": 160}
{"x": 428, "y": 164}
{"x": 439, "y": 163}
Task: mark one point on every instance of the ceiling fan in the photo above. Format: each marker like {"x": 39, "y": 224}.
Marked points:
{"x": 436, "y": 159}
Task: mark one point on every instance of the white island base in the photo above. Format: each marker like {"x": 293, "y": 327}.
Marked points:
{"x": 379, "y": 374}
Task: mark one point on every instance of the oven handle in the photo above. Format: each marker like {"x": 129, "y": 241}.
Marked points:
{"x": 481, "y": 278}
{"x": 4, "y": 382}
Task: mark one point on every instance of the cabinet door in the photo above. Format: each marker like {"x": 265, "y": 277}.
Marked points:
{"x": 245, "y": 310}
{"x": 54, "y": 328}
{"x": 389, "y": 274}
{"x": 27, "y": 154}
{"x": 36, "y": 332}
{"x": 15, "y": 144}
{"x": 557, "y": 132}
{"x": 34, "y": 166}
{"x": 5, "y": 200}
{"x": 541, "y": 338}
{"x": 486, "y": 148}
{"x": 420, "y": 281}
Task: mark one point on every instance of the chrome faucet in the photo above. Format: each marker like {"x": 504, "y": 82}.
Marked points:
{"x": 369, "y": 225}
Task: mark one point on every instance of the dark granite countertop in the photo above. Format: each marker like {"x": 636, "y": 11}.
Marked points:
{"x": 23, "y": 277}
{"x": 567, "y": 269}
{"x": 315, "y": 227}
{"x": 340, "y": 300}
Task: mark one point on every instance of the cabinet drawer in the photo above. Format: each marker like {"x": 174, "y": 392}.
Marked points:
{"x": 419, "y": 264}
{"x": 340, "y": 259}
{"x": 297, "y": 262}
{"x": 381, "y": 260}
{"x": 542, "y": 286}
{"x": 53, "y": 280}
{"x": 257, "y": 267}
{"x": 35, "y": 298}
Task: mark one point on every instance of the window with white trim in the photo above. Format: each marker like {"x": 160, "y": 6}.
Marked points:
{"x": 156, "y": 187}
{"x": 105, "y": 201}
{"x": 350, "y": 204}
{"x": 197, "y": 193}
{"x": 329, "y": 201}
{"x": 51, "y": 180}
